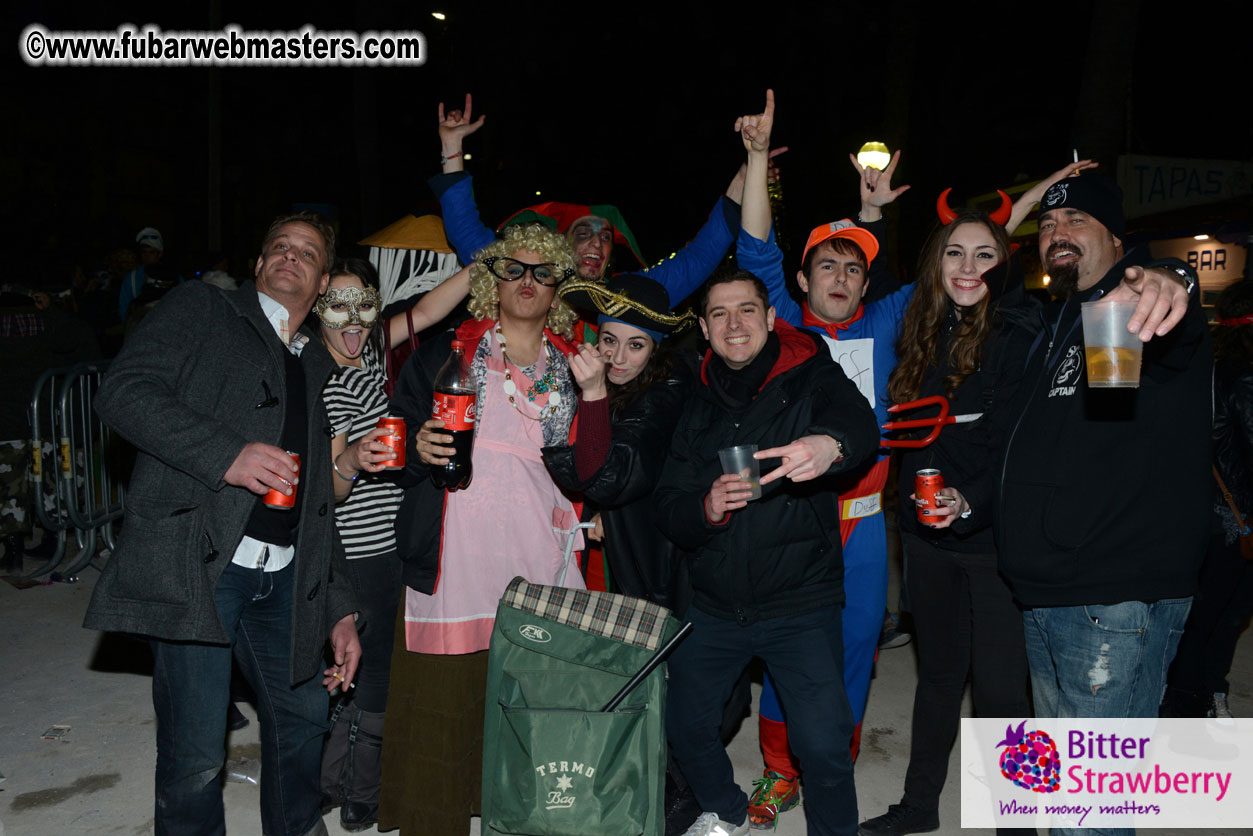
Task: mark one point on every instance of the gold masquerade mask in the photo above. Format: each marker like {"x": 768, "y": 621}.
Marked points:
{"x": 340, "y": 307}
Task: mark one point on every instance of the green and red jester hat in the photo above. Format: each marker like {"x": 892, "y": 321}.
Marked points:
{"x": 560, "y": 216}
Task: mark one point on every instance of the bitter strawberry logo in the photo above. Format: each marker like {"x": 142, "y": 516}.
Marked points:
{"x": 1030, "y": 759}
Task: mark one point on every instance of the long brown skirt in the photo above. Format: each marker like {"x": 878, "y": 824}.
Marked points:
{"x": 432, "y": 741}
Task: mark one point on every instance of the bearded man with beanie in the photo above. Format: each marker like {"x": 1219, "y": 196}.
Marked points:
{"x": 1104, "y": 564}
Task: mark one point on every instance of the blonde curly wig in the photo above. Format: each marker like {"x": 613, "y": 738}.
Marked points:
{"x": 484, "y": 288}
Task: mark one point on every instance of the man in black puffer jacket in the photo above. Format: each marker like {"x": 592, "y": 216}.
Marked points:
{"x": 767, "y": 574}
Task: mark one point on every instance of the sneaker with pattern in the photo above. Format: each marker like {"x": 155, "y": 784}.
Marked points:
{"x": 773, "y": 794}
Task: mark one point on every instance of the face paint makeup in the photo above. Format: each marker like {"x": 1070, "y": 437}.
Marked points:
{"x": 592, "y": 240}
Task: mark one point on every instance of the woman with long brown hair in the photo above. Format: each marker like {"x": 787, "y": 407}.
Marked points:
{"x": 951, "y": 344}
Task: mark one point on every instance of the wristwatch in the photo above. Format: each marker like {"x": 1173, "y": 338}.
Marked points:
{"x": 1185, "y": 275}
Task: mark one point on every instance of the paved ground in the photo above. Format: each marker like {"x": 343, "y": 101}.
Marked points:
{"x": 96, "y": 778}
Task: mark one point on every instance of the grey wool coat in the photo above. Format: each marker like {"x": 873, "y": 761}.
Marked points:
{"x": 189, "y": 390}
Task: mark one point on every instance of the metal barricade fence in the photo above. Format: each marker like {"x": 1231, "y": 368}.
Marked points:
{"x": 70, "y": 443}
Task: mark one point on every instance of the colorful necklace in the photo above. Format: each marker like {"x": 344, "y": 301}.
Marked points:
{"x": 547, "y": 384}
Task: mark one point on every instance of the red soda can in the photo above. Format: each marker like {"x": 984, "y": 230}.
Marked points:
{"x": 926, "y": 483}
{"x": 278, "y": 499}
{"x": 396, "y": 440}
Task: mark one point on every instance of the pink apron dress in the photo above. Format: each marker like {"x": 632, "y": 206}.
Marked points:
{"x": 507, "y": 523}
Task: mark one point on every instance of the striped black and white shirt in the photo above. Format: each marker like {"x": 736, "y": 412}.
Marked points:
{"x": 355, "y": 401}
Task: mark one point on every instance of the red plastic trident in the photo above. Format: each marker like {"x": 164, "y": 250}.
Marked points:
{"x": 937, "y": 423}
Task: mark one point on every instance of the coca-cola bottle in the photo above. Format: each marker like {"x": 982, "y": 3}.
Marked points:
{"x": 456, "y": 404}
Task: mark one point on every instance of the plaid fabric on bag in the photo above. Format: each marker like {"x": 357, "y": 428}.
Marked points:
{"x": 21, "y": 324}
{"x": 632, "y": 621}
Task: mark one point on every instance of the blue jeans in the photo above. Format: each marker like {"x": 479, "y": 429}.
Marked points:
{"x": 805, "y": 656}
{"x": 191, "y": 689}
{"x": 1102, "y": 660}
{"x": 866, "y": 593}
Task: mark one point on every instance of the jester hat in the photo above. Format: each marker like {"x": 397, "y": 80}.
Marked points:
{"x": 560, "y": 216}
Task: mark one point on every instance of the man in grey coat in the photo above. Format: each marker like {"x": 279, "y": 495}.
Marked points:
{"x": 212, "y": 389}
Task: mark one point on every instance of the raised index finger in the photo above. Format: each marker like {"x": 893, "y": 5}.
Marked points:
{"x": 467, "y": 110}
{"x": 769, "y": 112}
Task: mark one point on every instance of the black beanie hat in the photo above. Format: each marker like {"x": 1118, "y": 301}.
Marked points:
{"x": 1095, "y": 194}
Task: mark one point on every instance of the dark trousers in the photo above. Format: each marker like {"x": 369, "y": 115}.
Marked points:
{"x": 376, "y": 580}
{"x": 190, "y": 691}
{"x": 965, "y": 618}
{"x": 804, "y": 654}
{"x": 1220, "y": 608}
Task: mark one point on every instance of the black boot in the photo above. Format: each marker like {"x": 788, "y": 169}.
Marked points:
{"x": 900, "y": 820}
{"x": 13, "y": 550}
{"x": 681, "y": 805}
{"x": 365, "y": 772}
{"x": 335, "y": 756}
{"x": 1177, "y": 702}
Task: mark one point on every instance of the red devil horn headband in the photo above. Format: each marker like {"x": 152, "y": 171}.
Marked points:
{"x": 947, "y": 215}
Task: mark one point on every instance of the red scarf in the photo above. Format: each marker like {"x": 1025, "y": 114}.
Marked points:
{"x": 833, "y": 329}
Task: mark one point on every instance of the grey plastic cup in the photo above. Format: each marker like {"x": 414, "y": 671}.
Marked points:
{"x": 1112, "y": 353}
{"x": 739, "y": 460}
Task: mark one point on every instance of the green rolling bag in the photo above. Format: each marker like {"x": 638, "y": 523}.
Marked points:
{"x": 555, "y": 762}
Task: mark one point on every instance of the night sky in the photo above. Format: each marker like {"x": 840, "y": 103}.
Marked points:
{"x": 624, "y": 104}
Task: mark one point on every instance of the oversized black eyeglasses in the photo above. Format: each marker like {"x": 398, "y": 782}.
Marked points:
{"x": 510, "y": 270}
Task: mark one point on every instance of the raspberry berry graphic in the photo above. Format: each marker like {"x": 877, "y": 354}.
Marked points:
{"x": 1030, "y": 759}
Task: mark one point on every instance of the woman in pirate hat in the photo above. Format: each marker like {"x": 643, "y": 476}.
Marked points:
{"x": 632, "y": 388}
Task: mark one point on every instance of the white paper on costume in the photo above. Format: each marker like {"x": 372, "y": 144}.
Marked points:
{"x": 856, "y": 357}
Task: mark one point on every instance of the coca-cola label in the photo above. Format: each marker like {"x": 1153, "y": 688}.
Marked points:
{"x": 456, "y": 411}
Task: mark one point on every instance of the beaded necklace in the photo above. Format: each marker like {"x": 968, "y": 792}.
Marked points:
{"x": 547, "y": 384}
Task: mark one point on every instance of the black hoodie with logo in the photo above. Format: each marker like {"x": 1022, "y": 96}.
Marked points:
{"x": 1105, "y": 492}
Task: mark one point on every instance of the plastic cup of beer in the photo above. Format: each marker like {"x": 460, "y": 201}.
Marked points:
{"x": 1111, "y": 351}
{"x": 740, "y": 461}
